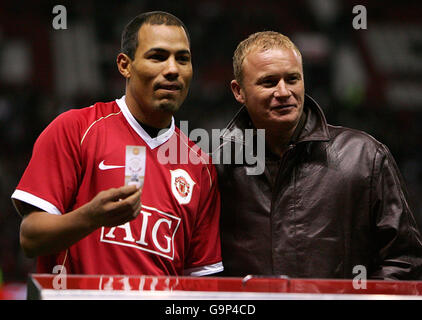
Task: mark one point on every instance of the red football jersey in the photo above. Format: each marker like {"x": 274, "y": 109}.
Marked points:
{"x": 82, "y": 152}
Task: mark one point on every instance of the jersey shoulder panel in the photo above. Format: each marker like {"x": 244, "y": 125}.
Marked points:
{"x": 81, "y": 121}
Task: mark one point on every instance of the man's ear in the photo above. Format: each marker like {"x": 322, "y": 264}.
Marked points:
{"x": 124, "y": 64}
{"x": 238, "y": 92}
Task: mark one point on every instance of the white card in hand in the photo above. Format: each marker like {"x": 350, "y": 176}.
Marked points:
{"x": 135, "y": 165}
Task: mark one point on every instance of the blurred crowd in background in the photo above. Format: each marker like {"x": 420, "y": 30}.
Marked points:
{"x": 368, "y": 79}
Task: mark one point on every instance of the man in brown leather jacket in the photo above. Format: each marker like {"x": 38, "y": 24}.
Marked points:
{"x": 329, "y": 199}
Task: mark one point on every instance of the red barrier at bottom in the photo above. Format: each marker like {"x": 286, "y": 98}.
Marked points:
{"x": 47, "y": 286}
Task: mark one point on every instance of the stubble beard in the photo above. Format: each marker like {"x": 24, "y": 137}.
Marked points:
{"x": 170, "y": 107}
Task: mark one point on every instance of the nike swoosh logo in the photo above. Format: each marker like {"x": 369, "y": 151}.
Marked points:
{"x": 103, "y": 166}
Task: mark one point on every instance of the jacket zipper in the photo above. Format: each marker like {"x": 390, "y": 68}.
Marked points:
{"x": 283, "y": 162}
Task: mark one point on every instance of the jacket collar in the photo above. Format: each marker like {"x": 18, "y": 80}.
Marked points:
{"x": 314, "y": 129}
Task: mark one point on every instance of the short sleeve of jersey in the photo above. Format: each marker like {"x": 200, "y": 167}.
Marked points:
{"x": 51, "y": 177}
{"x": 205, "y": 249}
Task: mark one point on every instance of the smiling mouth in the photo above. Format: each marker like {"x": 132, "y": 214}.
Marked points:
{"x": 284, "y": 106}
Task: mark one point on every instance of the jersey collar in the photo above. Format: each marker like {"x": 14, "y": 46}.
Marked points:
{"x": 151, "y": 142}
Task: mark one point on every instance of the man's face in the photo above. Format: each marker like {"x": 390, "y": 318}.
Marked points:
{"x": 161, "y": 71}
{"x": 273, "y": 88}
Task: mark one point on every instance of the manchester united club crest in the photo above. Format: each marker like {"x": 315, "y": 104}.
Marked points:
{"x": 181, "y": 185}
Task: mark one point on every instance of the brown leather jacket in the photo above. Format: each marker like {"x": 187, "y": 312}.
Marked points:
{"x": 334, "y": 201}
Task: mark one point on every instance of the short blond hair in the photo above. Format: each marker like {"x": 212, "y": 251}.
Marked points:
{"x": 261, "y": 41}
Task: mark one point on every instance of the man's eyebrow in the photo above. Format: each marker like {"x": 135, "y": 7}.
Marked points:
{"x": 266, "y": 77}
{"x": 295, "y": 74}
{"x": 275, "y": 75}
{"x": 161, "y": 50}
{"x": 184, "y": 51}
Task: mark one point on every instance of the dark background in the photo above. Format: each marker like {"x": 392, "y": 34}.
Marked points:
{"x": 365, "y": 79}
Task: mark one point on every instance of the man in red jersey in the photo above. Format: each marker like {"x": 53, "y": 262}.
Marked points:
{"x": 95, "y": 197}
